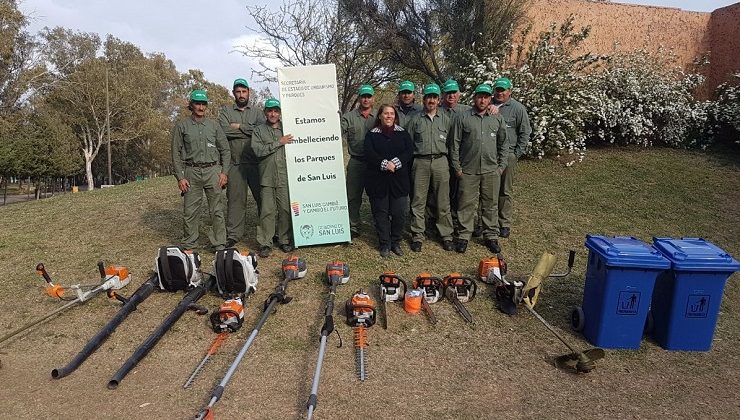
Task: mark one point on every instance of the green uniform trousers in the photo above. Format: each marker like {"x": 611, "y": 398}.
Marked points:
{"x": 472, "y": 189}
{"x": 203, "y": 180}
{"x": 275, "y": 208}
{"x": 435, "y": 173}
{"x": 506, "y": 193}
{"x": 355, "y": 188}
{"x": 241, "y": 177}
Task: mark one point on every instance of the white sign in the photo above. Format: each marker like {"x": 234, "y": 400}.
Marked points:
{"x": 318, "y": 193}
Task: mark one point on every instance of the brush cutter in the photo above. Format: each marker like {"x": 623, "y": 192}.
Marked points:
{"x": 112, "y": 277}
{"x": 392, "y": 289}
{"x": 432, "y": 289}
{"x": 337, "y": 273}
{"x": 293, "y": 268}
{"x": 458, "y": 290}
{"x": 360, "y": 311}
{"x": 511, "y": 294}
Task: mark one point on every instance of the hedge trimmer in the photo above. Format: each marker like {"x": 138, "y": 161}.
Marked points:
{"x": 360, "y": 310}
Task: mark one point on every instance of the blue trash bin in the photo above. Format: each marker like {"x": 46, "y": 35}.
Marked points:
{"x": 687, "y": 298}
{"x": 620, "y": 278}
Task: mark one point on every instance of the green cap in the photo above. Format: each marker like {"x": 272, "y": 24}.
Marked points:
{"x": 241, "y": 82}
{"x": 502, "y": 82}
{"x": 406, "y": 86}
{"x": 451, "y": 86}
{"x": 432, "y": 89}
{"x": 198, "y": 95}
{"x": 272, "y": 103}
{"x": 484, "y": 88}
{"x": 366, "y": 90}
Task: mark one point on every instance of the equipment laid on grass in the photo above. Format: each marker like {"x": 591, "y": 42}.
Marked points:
{"x": 187, "y": 303}
{"x": 392, "y": 289}
{"x": 236, "y": 278}
{"x": 293, "y": 268}
{"x": 177, "y": 269}
{"x": 510, "y": 294}
{"x": 491, "y": 270}
{"x": 432, "y": 289}
{"x": 337, "y": 273}
{"x": 360, "y": 310}
{"x": 458, "y": 290}
{"x": 112, "y": 278}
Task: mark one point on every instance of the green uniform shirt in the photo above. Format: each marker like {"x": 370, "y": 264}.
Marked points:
{"x": 266, "y": 146}
{"x": 240, "y": 138}
{"x": 405, "y": 113}
{"x": 518, "y": 128}
{"x": 430, "y": 133}
{"x": 478, "y": 143}
{"x": 354, "y": 129}
{"x": 457, "y": 109}
{"x": 199, "y": 142}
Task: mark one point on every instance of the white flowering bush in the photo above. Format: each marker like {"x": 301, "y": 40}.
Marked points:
{"x": 724, "y": 112}
{"x": 650, "y": 102}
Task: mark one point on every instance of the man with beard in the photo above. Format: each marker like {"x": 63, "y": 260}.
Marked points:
{"x": 519, "y": 131}
{"x": 478, "y": 155}
{"x": 268, "y": 144}
{"x": 238, "y": 122}
{"x": 201, "y": 159}
{"x": 355, "y": 125}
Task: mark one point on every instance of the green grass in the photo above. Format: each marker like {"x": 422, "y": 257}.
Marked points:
{"x": 498, "y": 367}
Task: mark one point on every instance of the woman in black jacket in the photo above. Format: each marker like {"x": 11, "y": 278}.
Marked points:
{"x": 388, "y": 154}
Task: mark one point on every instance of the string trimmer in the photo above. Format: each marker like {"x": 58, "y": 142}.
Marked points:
{"x": 360, "y": 310}
{"x": 337, "y": 273}
{"x": 293, "y": 268}
{"x": 236, "y": 279}
{"x": 432, "y": 292}
{"x": 392, "y": 289}
{"x": 112, "y": 278}
{"x": 458, "y": 290}
{"x": 511, "y": 294}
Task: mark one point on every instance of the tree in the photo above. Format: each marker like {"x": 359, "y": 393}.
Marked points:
{"x": 313, "y": 32}
{"x": 436, "y": 37}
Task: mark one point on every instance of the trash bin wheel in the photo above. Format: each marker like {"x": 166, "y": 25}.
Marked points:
{"x": 577, "y": 319}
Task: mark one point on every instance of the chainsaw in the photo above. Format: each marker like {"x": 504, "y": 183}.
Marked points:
{"x": 432, "y": 289}
{"x": 360, "y": 310}
{"x": 392, "y": 289}
{"x": 458, "y": 290}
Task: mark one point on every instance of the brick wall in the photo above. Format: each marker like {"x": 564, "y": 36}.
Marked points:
{"x": 626, "y": 27}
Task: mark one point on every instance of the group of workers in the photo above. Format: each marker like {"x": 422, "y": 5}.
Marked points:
{"x": 455, "y": 163}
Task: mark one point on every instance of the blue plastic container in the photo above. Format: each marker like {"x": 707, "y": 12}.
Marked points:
{"x": 620, "y": 278}
{"x": 687, "y": 298}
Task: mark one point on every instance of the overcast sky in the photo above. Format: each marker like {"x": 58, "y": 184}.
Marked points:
{"x": 196, "y": 34}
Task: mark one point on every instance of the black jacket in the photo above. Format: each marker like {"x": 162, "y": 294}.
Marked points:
{"x": 380, "y": 147}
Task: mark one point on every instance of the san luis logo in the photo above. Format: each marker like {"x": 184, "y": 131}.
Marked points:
{"x": 296, "y": 206}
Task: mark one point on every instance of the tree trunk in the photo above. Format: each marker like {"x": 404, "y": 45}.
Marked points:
{"x": 5, "y": 190}
{"x": 89, "y": 174}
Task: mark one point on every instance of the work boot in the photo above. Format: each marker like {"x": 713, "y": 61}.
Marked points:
{"x": 286, "y": 248}
{"x": 354, "y": 233}
{"x": 265, "y": 251}
{"x": 448, "y": 245}
{"x": 504, "y": 232}
{"x": 461, "y": 246}
{"x": 396, "y": 248}
{"x": 230, "y": 243}
{"x": 415, "y": 246}
{"x": 477, "y": 231}
{"x": 384, "y": 252}
{"x": 493, "y": 246}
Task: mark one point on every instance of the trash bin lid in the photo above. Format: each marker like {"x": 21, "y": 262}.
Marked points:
{"x": 696, "y": 254}
{"x": 626, "y": 251}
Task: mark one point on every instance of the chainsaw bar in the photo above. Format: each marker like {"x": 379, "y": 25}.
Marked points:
{"x": 428, "y": 310}
{"x": 451, "y": 294}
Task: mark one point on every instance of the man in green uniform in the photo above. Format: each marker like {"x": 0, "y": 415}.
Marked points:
{"x": 201, "y": 158}
{"x": 355, "y": 125}
{"x": 268, "y": 144}
{"x": 518, "y": 132}
{"x": 238, "y": 121}
{"x": 429, "y": 130}
{"x": 406, "y": 104}
{"x": 478, "y": 155}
